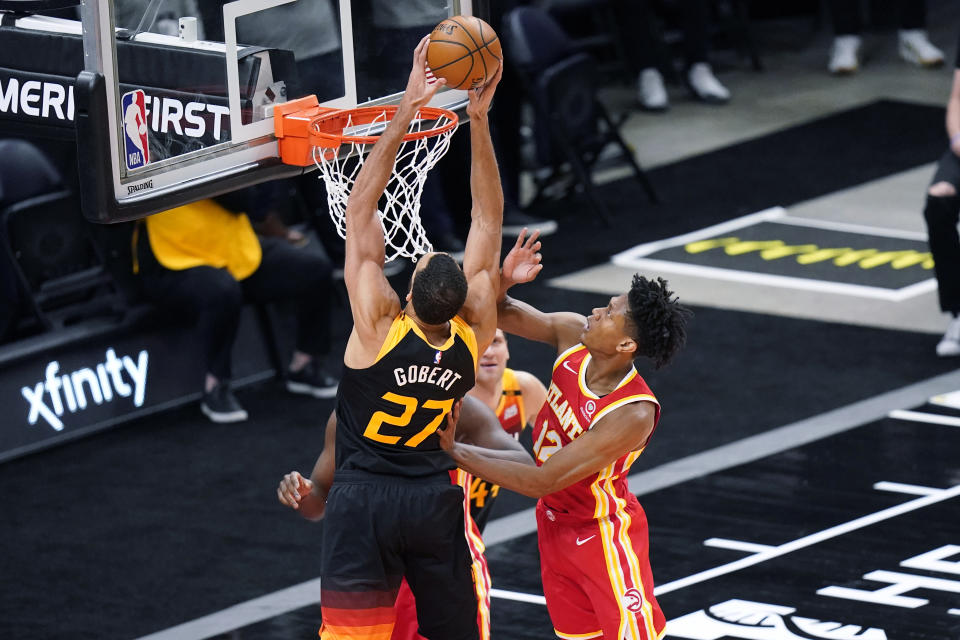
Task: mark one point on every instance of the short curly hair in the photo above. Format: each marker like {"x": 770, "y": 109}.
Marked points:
{"x": 659, "y": 321}
{"x": 438, "y": 290}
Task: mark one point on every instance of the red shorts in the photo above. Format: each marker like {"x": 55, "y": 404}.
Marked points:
{"x": 596, "y": 575}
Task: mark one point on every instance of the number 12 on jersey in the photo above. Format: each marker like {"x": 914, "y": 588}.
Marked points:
{"x": 545, "y": 450}
{"x": 409, "y": 405}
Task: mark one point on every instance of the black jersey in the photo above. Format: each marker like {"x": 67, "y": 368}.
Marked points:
{"x": 388, "y": 413}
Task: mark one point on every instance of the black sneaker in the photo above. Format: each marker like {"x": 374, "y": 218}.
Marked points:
{"x": 221, "y": 406}
{"x": 312, "y": 380}
{"x": 515, "y": 220}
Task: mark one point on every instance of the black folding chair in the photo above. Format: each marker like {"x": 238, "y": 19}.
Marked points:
{"x": 572, "y": 128}
{"x": 59, "y": 267}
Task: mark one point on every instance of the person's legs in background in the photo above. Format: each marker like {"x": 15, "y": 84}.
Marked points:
{"x": 214, "y": 298}
{"x": 913, "y": 43}
{"x": 847, "y": 23}
{"x": 941, "y": 213}
{"x": 641, "y": 45}
{"x": 303, "y": 275}
{"x": 695, "y": 20}
{"x": 639, "y": 37}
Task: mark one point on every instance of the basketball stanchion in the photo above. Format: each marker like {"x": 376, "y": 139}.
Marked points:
{"x": 337, "y": 142}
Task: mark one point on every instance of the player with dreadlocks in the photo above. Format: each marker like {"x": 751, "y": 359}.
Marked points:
{"x": 597, "y": 419}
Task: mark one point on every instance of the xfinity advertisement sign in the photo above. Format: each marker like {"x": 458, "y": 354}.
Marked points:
{"x": 56, "y": 390}
{"x": 60, "y": 393}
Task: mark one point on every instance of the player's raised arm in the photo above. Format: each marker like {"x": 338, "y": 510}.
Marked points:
{"x": 481, "y": 258}
{"x": 522, "y": 264}
{"x": 371, "y": 296}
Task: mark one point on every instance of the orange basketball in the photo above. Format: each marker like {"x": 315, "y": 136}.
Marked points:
{"x": 464, "y": 50}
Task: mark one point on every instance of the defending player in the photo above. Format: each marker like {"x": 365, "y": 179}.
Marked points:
{"x": 477, "y": 425}
{"x": 516, "y": 397}
{"x": 597, "y": 420}
{"x": 393, "y": 512}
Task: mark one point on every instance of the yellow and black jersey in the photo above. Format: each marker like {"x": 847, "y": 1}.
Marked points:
{"x": 388, "y": 413}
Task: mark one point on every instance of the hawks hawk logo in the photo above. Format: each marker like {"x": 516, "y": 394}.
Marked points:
{"x": 633, "y": 600}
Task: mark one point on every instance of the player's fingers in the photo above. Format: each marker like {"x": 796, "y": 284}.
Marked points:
{"x": 420, "y": 53}
{"x": 535, "y": 246}
{"x": 533, "y": 239}
{"x": 286, "y": 499}
{"x": 520, "y": 239}
{"x": 492, "y": 82}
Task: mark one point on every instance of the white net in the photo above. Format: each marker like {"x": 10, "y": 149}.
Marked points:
{"x": 399, "y": 207}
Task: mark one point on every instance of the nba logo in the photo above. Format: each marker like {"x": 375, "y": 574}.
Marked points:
{"x": 134, "y": 112}
{"x": 436, "y": 358}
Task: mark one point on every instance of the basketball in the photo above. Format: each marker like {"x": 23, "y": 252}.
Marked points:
{"x": 465, "y": 51}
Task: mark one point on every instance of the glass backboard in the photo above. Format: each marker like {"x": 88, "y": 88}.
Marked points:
{"x": 175, "y": 98}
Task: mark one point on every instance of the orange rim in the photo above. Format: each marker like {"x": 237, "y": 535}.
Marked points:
{"x": 326, "y": 130}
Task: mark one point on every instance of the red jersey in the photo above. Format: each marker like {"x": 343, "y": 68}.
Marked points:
{"x": 570, "y": 410}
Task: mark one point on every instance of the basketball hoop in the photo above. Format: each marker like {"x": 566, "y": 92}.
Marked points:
{"x": 337, "y": 142}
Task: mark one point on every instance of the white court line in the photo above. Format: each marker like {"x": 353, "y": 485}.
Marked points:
{"x": 736, "y": 545}
{"x": 812, "y": 539}
{"x": 929, "y": 418}
{"x": 666, "y": 475}
{"x": 792, "y": 282}
{"x": 517, "y": 596}
{"x": 954, "y": 612}
{"x": 912, "y": 489}
{"x": 860, "y": 229}
{"x": 249, "y": 612}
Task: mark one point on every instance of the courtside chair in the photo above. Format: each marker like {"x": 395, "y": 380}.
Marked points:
{"x": 60, "y": 269}
{"x": 572, "y": 128}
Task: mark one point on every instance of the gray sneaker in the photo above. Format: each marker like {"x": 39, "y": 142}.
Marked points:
{"x": 221, "y": 406}
{"x": 949, "y": 345}
{"x": 312, "y": 380}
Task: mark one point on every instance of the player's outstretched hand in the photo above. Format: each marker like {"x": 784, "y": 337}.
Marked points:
{"x": 292, "y": 488}
{"x": 419, "y": 89}
{"x": 448, "y": 435}
{"x": 482, "y": 97}
{"x": 522, "y": 264}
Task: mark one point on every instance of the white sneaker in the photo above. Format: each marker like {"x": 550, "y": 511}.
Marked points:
{"x": 845, "y": 55}
{"x": 917, "y": 49}
{"x": 705, "y": 86}
{"x": 651, "y": 92}
{"x": 949, "y": 345}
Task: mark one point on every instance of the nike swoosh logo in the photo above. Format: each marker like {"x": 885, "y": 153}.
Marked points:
{"x": 585, "y": 540}
{"x": 566, "y": 365}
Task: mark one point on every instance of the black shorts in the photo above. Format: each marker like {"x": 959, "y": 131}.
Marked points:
{"x": 375, "y": 532}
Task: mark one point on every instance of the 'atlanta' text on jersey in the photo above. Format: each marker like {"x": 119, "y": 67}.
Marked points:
{"x": 571, "y": 409}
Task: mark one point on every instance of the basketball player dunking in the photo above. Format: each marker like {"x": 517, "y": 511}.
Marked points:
{"x": 597, "y": 420}
{"x": 515, "y": 397}
{"x": 392, "y": 512}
